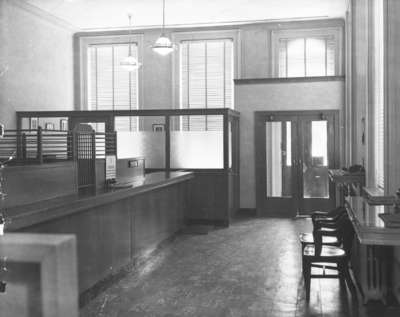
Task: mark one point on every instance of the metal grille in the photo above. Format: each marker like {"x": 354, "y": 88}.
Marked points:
{"x": 85, "y": 154}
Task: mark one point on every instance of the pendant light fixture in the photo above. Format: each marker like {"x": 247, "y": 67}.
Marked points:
{"x": 163, "y": 45}
{"x": 130, "y": 63}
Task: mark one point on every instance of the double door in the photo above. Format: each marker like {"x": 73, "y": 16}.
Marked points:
{"x": 294, "y": 151}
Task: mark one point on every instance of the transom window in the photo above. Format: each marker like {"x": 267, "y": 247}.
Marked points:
{"x": 307, "y": 53}
{"x": 303, "y": 57}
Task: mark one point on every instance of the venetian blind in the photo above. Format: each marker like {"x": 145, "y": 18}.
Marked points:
{"x": 378, "y": 83}
{"x": 304, "y": 57}
{"x": 110, "y": 87}
{"x": 206, "y": 80}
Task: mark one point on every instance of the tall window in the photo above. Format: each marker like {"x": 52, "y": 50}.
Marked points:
{"x": 303, "y": 57}
{"x": 307, "y": 53}
{"x": 206, "y": 80}
{"x": 110, "y": 87}
{"x": 378, "y": 94}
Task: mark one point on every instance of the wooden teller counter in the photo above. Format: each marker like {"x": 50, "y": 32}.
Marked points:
{"x": 116, "y": 227}
{"x": 114, "y": 194}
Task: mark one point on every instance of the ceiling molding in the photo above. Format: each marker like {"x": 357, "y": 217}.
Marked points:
{"x": 22, "y": 4}
{"x": 212, "y": 24}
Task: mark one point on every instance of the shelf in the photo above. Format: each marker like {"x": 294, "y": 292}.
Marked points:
{"x": 339, "y": 176}
{"x": 376, "y": 196}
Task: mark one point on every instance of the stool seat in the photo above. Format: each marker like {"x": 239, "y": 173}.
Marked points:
{"x": 326, "y": 251}
{"x": 308, "y": 238}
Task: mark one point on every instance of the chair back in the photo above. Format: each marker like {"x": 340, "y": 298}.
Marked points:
{"x": 347, "y": 235}
{"x": 333, "y": 213}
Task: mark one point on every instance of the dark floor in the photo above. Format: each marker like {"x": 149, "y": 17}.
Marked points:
{"x": 252, "y": 268}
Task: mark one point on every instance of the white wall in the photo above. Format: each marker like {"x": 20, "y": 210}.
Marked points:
{"x": 278, "y": 96}
{"x": 36, "y": 62}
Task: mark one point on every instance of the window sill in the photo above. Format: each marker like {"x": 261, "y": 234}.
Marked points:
{"x": 246, "y": 81}
{"x": 376, "y": 196}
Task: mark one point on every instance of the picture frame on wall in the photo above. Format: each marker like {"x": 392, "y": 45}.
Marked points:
{"x": 63, "y": 124}
{"x": 158, "y": 127}
{"x": 49, "y": 126}
{"x": 33, "y": 123}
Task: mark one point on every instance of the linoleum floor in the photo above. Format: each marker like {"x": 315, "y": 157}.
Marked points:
{"x": 252, "y": 268}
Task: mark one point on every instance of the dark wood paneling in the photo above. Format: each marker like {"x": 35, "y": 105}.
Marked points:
{"x": 110, "y": 236}
{"x": 31, "y": 183}
{"x": 114, "y": 237}
{"x": 166, "y": 217}
{"x": 209, "y": 197}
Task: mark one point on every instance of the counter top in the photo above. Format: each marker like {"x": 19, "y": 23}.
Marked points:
{"x": 369, "y": 227}
{"x": 26, "y": 215}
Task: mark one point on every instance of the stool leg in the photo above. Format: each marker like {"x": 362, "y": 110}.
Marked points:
{"x": 349, "y": 281}
{"x": 342, "y": 274}
{"x": 307, "y": 277}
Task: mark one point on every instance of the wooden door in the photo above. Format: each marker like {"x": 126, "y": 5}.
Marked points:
{"x": 276, "y": 178}
{"x": 294, "y": 151}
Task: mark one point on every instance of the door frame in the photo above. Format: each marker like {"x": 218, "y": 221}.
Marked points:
{"x": 260, "y": 117}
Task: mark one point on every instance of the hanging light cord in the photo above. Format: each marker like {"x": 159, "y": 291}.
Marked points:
{"x": 130, "y": 28}
{"x": 163, "y": 17}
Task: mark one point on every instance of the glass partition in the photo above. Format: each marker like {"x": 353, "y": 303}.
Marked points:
{"x": 195, "y": 138}
{"x": 197, "y": 142}
{"x": 141, "y": 137}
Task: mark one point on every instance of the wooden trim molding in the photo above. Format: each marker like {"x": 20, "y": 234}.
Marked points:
{"x": 56, "y": 255}
{"x": 273, "y": 80}
{"x": 41, "y": 14}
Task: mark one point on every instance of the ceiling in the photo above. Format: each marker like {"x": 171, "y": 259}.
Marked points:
{"x": 105, "y": 14}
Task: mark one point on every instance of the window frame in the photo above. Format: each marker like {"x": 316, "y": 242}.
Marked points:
{"x": 371, "y": 110}
{"x": 86, "y": 41}
{"x": 335, "y": 32}
{"x": 178, "y": 37}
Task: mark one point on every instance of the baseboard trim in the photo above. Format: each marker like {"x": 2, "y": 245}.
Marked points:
{"x": 137, "y": 265}
{"x": 208, "y": 222}
{"x": 247, "y": 212}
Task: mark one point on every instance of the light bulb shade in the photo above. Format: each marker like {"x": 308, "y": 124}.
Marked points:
{"x": 163, "y": 45}
{"x": 130, "y": 63}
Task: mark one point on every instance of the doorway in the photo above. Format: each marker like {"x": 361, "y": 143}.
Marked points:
{"x": 293, "y": 152}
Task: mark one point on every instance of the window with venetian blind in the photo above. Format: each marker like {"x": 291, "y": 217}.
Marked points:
{"x": 378, "y": 94}
{"x": 110, "y": 86}
{"x": 206, "y": 80}
{"x": 307, "y": 53}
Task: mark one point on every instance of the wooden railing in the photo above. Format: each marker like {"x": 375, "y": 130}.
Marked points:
{"x": 39, "y": 146}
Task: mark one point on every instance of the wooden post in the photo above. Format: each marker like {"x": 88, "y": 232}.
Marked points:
{"x": 23, "y": 147}
{"x": 39, "y": 145}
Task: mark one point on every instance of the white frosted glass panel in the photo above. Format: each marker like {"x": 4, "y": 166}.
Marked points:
{"x": 147, "y": 144}
{"x": 197, "y": 149}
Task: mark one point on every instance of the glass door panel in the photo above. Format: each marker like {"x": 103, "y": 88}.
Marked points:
{"x": 316, "y": 157}
{"x": 315, "y": 160}
{"x": 278, "y": 159}
{"x": 294, "y": 151}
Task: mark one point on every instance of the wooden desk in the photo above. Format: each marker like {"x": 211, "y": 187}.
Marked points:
{"x": 372, "y": 258}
